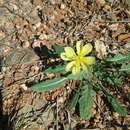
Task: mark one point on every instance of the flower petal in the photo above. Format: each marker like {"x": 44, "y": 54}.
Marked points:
{"x": 75, "y": 70}
{"x": 64, "y": 57}
{"x": 89, "y": 60}
{"x": 70, "y": 65}
{"x": 86, "y": 49}
{"x": 79, "y": 45}
{"x": 69, "y": 52}
{"x": 84, "y": 67}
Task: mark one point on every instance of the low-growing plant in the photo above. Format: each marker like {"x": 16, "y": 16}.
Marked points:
{"x": 93, "y": 74}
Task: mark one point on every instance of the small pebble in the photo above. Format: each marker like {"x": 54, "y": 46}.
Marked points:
{"x": 62, "y": 6}
{"x": 24, "y": 87}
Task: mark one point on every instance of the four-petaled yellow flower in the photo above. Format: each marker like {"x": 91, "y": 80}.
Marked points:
{"x": 78, "y": 61}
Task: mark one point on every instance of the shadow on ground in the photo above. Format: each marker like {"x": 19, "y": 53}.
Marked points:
{"x": 4, "y": 119}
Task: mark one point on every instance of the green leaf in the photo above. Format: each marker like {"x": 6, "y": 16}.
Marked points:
{"x": 125, "y": 68}
{"x": 49, "y": 84}
{"x": 120, "y": 58}
{"x": 73, "y": 77}
{"x": 114, "y": 80}
{"x": 117, "y": 58}
{"x": 73, "y": 102}
{"x": 116, "y": 105}
{"x": 86, "y": 102}
{"x": 58, "y": 49}
{"x": 76, "y": 77}
{"x": 56, "y": 69}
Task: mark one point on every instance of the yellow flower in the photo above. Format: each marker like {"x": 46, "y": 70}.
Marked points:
{"x": 78, "y": 61}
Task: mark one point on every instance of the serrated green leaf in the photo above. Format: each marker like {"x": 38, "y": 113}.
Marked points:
{"x": 73, "y": 102}
{"x": 56, "y": 69}
{"x": 125, "y": 68}
{"x": 58, "y": 49}
{"x": 117, "y": 58}
{"x": 116, "y": 105}
{"x": 115, "y": 81}
{"x": 86, "y": 102}
{"x": 49, "y": 84}
{"x": 120, "y": 58}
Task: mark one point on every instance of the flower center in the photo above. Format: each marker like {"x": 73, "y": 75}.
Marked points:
{"x": 79, "y": 59}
